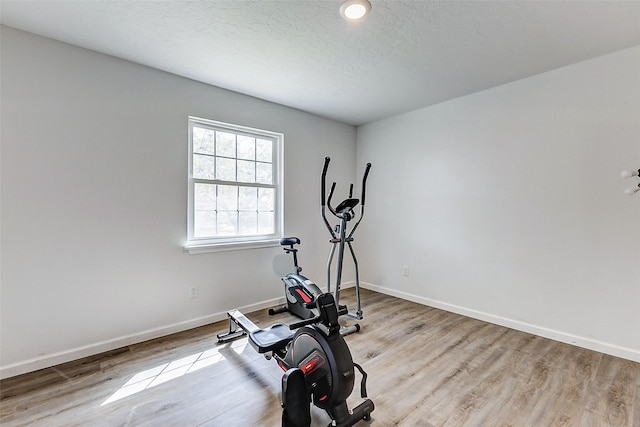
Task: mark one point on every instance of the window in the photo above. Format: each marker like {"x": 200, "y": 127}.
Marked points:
{"x": 235, "y": 186}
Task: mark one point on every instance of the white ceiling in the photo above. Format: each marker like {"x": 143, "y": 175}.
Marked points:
{"x": 404, "y": 55}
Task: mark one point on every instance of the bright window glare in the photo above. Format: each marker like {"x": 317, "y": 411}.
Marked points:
{"x": 172, "y": 370}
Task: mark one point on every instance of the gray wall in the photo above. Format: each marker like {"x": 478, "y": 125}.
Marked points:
{"x": 507, "y": 205}
{"x": 94, "y": 194}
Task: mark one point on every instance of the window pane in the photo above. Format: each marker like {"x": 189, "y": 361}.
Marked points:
{"x": 246, "y": 171}
{"x": 264, "y": 173}
{"x": 246, "y": 147}
{"x": 204, "y": 223}
{"x": 265, "y": 222}
{"x": 225, "y": 144}
{"x": 203, "y": 166}
{"x": 248, "y": 222}
{"x": 203, "y": 140}
{"x": 248, "y": 199}
{"x": 227, "y": 223}
{"x": 225, "y": 169}
{"x": 264, "y": 150}
{"x": 266, "y": 199}
{"x": 204, "y": 197}
{"x": 227, "y": 198}
{"x": 204, "y": 210}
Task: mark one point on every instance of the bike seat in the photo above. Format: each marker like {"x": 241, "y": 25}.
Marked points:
{"x": 286, "y": 241}
{"x": 272, "y": 338}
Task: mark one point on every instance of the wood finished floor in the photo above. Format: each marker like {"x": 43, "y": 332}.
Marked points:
{"x": 426, "y": 367}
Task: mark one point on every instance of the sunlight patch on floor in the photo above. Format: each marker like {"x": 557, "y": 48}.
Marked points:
{"x": 172, "y": 370}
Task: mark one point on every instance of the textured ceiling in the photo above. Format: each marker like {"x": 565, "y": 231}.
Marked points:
{"x": 404, "y": 55}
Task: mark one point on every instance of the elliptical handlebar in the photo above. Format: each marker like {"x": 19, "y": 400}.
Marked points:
{"x": 333, "y": 211}
{"x": 324, "y": 179}
{"x": 364, "y": 181}
{"x": 323, "y": 192}
{"x": 326, "y": 200}
{"x": 364, "y": 189}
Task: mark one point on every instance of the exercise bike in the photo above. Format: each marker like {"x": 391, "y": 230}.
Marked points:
{"x": 299, "y": 290}
{"x": 317, "y": 362}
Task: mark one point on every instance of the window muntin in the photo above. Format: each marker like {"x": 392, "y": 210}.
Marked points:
{"x": 235, "y": 188}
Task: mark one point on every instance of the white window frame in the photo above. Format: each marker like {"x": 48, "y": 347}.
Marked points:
{"x": 224, "y": 243}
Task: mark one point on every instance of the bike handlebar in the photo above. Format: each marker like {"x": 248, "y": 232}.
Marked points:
{"x": 302, "y": 323}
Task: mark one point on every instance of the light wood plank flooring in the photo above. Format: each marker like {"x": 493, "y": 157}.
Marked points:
{"x": 426, "y": 367}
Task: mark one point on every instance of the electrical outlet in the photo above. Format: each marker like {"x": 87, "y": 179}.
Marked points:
{"x": 193, "y": 292}
{"x": 405, "y": 270}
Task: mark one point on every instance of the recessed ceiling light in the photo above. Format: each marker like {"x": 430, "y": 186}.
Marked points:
{"x": 355, "y": 9}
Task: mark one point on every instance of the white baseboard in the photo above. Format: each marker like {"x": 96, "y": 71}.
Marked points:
{"x": 347, "y": 285}
{"x": 588, "y": 343}
{"x": 49, "y": 360}
{"x": 46, "y": 361}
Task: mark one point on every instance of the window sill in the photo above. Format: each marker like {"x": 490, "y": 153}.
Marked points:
{"x": 230, "y": 246}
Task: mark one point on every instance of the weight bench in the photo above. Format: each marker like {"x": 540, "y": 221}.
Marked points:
{"x": 273, "y": 338}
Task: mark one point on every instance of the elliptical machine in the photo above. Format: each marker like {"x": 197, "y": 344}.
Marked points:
{"x": 317, "y": 362}
{"x": 341, "y": 236}
{"x": 300, "y": 292}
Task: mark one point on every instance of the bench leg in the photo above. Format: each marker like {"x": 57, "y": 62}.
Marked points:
{"x": 233, "y": 332}
{"x": 239, "y": 325}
